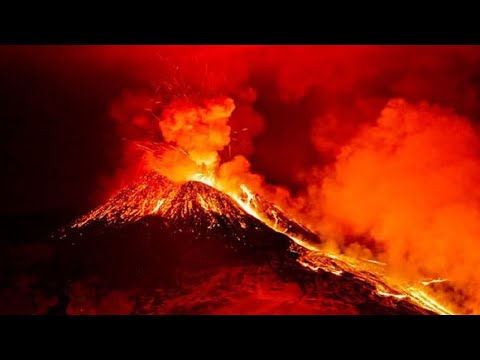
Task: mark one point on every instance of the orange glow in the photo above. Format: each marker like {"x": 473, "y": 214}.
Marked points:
{"x": 201, "y": 131}
{"x": 196, "y": 134}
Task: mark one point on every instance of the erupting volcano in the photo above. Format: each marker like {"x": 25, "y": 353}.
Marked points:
{"x": 188, "y": 236}
{"x": 192, "y": 202}
{"x": 255, "y": 180}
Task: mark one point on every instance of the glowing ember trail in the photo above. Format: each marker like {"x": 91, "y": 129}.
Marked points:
{"x": 434, "y": 281}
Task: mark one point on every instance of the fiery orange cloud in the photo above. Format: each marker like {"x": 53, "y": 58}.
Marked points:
{"x": 409, "y": 184}
{"x": 201, "y": 131}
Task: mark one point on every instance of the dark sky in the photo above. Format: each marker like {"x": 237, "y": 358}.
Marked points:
{"x": 58, "y": 137}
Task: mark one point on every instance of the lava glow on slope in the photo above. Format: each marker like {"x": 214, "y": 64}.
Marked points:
{"x": 155, "y": 195}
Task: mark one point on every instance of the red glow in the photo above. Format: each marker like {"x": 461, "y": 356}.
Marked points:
{"x": 373, "y": 148}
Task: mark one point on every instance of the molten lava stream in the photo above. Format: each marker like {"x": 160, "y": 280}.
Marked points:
{"x": 371, "y": 271}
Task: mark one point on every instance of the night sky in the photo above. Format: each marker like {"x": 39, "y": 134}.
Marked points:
{"x": 57, "y": 136}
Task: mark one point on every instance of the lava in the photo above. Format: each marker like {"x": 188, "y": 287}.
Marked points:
{"x": 141, "y": 198}
{"x": 374, "y": 274}
{"x": 154, "y": 194}
{"x": 434, "y": 281}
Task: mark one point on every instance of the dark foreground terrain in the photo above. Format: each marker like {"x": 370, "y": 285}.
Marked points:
{"x": 152, "y": 266}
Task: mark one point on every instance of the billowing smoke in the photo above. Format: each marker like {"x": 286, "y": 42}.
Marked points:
{"x": 406, "y": 187}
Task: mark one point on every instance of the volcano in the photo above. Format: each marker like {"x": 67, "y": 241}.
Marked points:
{"x": 190, "y": 248}
{"x": 158, "y": 227}
{"x": 192, "y": 202}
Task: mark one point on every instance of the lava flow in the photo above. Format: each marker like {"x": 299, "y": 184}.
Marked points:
{"x": 205, "y": 211}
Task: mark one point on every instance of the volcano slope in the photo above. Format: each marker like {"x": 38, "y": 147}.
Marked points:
{"x": 160, "y": 247}
{"x": 187, "y": 228}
